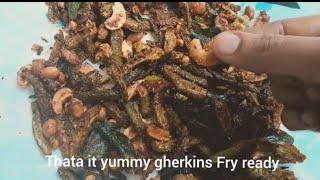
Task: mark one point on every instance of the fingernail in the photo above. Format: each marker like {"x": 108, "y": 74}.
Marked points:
{"x": 227, "y": 43}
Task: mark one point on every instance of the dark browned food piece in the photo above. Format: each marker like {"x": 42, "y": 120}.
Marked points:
{"x": 37, "y": 48}
{"x": 37, "y": 130}
{"x": 136, "y": 26}
{"x": 44, "y": 39}
{"x": 117, "y": 114}
{"x": 183, "y": 85}
{"x": 160, "y": 112}
{"x": 43, "y": 97}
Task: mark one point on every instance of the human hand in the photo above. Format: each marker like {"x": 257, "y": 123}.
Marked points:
{"x": 289, "y": 51}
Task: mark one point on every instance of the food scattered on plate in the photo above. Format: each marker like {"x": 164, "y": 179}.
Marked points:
{"x": 150, "y": 97}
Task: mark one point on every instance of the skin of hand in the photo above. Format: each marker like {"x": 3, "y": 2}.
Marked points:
{"x": 289, "y": 51}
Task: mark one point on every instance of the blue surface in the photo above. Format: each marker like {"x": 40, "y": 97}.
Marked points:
{"x": 22, "y": 24}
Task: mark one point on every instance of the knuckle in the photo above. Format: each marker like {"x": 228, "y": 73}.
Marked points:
{"x": 267, "y": 43}
{"x": 282, "y": 27}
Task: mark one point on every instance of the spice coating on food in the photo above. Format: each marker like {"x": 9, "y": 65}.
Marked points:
{"x": 118, "y": 17}
{"x": 168, "y": 95}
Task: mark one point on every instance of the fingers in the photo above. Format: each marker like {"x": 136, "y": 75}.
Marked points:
{"x": 291, "y": 119}
{"x": 313, "y": 95}
{"x": 301, "y": 103}
{"x": 289, "y": 91}
{"x": 296, "y": 119}
{"x": 294, "y": 93}
{"x": 303, "y": 26}
{"x": 284, "y": 48}
{"x": 289, "y": 96}
{"x": 268, "y": 53}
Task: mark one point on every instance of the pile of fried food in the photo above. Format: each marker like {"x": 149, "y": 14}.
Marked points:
{"x": 162, "y": 96}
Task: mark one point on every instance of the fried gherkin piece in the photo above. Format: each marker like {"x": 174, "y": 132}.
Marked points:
{"x": 98, "y": 95}
{"x": 183, "y": 85}
{"x": 160, "y": 111}
{"x": 185, "y": 10}
{"x": 43, "y": 97}
{"x": 136, "y": 116}
{"x": 188, "y": 76}
{"x": 116, "y": 39}
{"x": 118, "y": 114}
{"x": 37, "y": 130}
{"x": 83, "y": 127}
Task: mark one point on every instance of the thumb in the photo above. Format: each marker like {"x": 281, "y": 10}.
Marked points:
{"x": 269, "y": 53}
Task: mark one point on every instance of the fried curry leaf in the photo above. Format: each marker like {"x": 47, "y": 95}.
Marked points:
{"x": 73, "y": 8}
{"x": 232, "y": 152}
{"x": 201, "y": 37}
{"x": 119, "y": 140}
{"x": 278, "y": 136}
{"x": 95, "y": 146}
{"x": 205, "y": 35}
{"x": 285, "y": 153}
{"x": 209, "y": 32}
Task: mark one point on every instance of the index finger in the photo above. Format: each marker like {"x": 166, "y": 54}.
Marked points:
{"x": 302, "y": 26}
